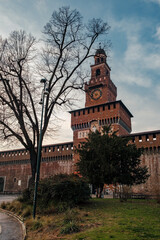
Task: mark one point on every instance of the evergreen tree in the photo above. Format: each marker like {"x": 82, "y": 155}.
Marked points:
{"x": 106, "y": 158}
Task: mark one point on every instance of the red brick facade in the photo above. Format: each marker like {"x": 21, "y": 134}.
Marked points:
{"x": 101, "y": 108}
{"x": 15, "y": 165}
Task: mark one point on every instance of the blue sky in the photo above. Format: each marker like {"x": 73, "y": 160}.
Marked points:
{"x": 134, "y": 57}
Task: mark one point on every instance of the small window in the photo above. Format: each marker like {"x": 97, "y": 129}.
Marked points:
{"x": 98, "y": 109}
{"x": 93, "y": 109}
{"x": 15, "y": 179}
{"x": 98, "y": 72}
{"x": 19, "y": 182}
{"x": 140, "y": 139}
{"x": 108, "y": 107}
{"x": 102, "y": 59}
{"x": 83, "y": 111}
{"x": 88, "y": 110}
{"x": 78, "y": 113}
{"x": 74, "y": 114}
{"x": 154, "y": 137}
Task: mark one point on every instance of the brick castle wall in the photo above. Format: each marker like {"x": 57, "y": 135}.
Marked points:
{"x": 16, "y": 171}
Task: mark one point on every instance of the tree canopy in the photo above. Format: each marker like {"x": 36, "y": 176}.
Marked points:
{"x": 106, "y": 158}
{"x": 67, "y": 44}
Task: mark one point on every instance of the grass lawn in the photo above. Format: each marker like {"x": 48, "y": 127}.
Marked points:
{"x": 132, "y": 220}
{"x": 99, "y": 219}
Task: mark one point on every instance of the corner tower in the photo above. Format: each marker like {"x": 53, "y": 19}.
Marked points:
{"x": 101, "y": 106}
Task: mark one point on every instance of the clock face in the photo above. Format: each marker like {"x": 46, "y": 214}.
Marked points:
{"x": 96, "y": 94}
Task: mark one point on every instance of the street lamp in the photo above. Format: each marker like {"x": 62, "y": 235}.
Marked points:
{"x": 42, "y": 101}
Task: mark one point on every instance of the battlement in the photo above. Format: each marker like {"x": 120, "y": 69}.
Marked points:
{"x": 52, "y": 152}
{"x": 148, "y": 140}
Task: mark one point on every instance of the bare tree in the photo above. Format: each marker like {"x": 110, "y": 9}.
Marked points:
{"x": 67, "y": 45}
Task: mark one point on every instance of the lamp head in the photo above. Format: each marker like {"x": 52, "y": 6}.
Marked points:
{"x": 43, "y": 80}
{"x": 46, "y": 92}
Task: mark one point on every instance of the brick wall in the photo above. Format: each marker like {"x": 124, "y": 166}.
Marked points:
{"x": 15, "y": 165}
{"x": 150, "y": 141}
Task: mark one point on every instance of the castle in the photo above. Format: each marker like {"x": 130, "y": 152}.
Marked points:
{"x": 101, "y": 108}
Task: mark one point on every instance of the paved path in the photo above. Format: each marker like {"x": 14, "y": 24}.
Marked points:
{"x": 7, "y": 198}
{"x": 10, "y": 228}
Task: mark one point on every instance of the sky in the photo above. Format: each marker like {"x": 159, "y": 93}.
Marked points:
{"x": 134, "y": 57}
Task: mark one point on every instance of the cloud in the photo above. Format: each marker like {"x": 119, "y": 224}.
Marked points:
{"x": 135, "y": 72}
{"x": 41, "y": 6}
{"x": 154, "y": 1}
{"x": 157, "y": 91}
{"x": 158, "y": 32}
{"x": 143, "y": 107}
{"x": 139, "y": 57}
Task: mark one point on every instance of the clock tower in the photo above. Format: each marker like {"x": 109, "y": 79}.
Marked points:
{"x": 101, "y": 106}
{"x": 100, "y": 89}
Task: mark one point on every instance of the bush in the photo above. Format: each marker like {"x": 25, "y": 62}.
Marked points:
{"x": 71, "y": 215}
{"x": 63, "y": 190}
{"x": 70, "y": 189}
{"x": 27, "y": 196}
{"x": 3, "y": 205}
{"x": 70, "y": 228}
{"x": 27, "y": 211}
{"x": 36, "y": 225}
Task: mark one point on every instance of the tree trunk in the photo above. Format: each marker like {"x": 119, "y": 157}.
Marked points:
{"x": 97, "y": 189}
{"x": 100, "y": 190}
{"x": 33, "y": 161}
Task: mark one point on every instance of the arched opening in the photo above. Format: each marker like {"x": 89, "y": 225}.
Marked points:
{"x": 98, "y": 72}
{"x": 1, "y": 184}
{"x": 97, "y": 61}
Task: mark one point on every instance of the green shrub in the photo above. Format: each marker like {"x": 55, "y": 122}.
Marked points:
{"x": 70, "y": 189}
{"x": 27, "y": 211}
{"x": 36, "y": 225}
{"x": 3, "y": 205}
{"x": 61, "y": 207}
{"x": 63, "y": 190}
{"x": 71, "y": 216}
{"x": 27, "y": 196}
{"x": 70, "y": 228}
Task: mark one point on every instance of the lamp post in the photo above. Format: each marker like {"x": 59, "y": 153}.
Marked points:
{"x": 42, "y": 101}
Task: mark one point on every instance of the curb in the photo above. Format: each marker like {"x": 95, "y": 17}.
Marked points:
{"x": 19, "y": 219}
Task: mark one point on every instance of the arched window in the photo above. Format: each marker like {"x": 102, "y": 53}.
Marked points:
{"x": 98, "y": 72}
{"x": 97, "y": 60}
